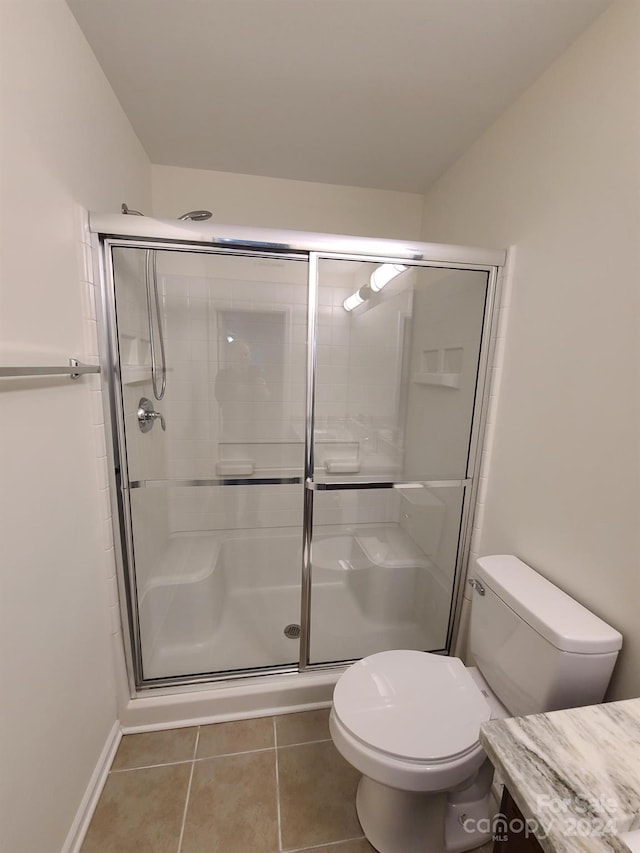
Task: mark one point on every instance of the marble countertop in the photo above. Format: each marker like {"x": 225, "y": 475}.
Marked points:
{"x": 575, "y": 774}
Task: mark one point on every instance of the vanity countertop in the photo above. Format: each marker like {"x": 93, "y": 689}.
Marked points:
{"x": 575, "y": 774}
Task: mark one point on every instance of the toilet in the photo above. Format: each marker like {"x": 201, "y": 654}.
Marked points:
{"x": 409, "y": 721}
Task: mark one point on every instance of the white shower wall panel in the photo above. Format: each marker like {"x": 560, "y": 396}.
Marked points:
{"x": 255, "y": 507}
{"x": 221, "y": 600}
{"x": 375, "y": 359}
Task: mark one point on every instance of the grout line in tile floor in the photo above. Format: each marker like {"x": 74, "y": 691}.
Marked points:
{"x": 186, "y": 802}
{"x": 210, "y": 757}
{"x": 231, "y": 754}
{"x": 221, "y": 755}
{"x": 304, "y": 743}
{"x": 275, "y": 741}
{"x": 322, "y": 846}
{"x": 149, "y": 766}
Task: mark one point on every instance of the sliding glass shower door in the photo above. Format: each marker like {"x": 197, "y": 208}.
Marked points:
{"x": 296, "y": 436}
{"x": 212, "y": 486}
{"x": 398, "y": 354}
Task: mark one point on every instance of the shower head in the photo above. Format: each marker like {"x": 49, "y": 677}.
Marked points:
{"x": 197, "y": 215}
{"x": 130, "y": 211}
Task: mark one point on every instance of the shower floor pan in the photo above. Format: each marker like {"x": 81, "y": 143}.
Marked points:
{"x": 222, "y": 602}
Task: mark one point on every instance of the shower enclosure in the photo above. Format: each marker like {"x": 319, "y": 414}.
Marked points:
{"x": 296, "y": 423}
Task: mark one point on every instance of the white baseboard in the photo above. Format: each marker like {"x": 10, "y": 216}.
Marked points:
{"x": 91, "y": 796}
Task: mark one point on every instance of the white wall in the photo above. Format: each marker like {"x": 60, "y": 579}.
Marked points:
{"x": 65, "y": 143}
{"x": 277, "y": 203}
{"x": 558, "y": 176}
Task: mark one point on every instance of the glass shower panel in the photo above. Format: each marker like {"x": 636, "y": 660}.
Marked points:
{"x": 215, "y": 499}
{"x": 383, "y": 570}
{"x": 398, "y": 352}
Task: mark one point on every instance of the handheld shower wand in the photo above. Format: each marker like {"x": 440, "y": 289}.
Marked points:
{"x": 193, "y": 215}
{"x": 159, "y": 383}
{"x": 196, "y": 215}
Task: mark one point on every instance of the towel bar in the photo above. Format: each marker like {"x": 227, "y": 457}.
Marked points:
{"x": 75, "y": 369}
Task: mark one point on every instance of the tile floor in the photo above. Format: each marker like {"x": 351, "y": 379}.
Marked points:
{"x": 252, "y": 786}
{"x": 265, "y": 785}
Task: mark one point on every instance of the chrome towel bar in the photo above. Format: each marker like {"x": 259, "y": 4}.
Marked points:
{"x": 74, "y": 369}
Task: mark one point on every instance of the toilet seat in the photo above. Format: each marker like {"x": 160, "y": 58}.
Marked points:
{"x": 414, "y": 713}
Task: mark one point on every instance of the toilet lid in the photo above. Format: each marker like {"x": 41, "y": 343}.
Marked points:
{"x": 411, "y": 705}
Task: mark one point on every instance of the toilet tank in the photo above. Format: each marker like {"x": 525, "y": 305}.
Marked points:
{"x": 538, "y": 648}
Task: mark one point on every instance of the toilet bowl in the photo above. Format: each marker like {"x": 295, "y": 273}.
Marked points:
{"x": 409, "y": 721}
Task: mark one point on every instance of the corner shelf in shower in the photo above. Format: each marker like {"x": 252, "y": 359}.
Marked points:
{"x": 133, "y": 374}
{"x": 135, "y": 354}
{"x": 136, "y": 374}
{"x": 446, "y": 380}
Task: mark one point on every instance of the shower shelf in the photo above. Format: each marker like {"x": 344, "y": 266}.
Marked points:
{"x": 134, "y": 373}
{"x": 446, "y": 380}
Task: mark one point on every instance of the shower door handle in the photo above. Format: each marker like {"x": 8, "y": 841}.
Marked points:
{"x": 147, "y": 416}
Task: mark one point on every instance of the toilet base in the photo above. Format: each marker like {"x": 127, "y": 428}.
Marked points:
{"x": 401, "y": 821}
{"x": 414, "y": 822}
{"x": 467, "y": 825}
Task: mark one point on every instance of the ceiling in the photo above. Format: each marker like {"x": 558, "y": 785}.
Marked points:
{"x": 371, "y": 93}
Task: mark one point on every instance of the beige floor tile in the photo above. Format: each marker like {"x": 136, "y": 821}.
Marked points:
{"x": 233, "y": 805}
{"x": 317, "y": 795}
{"x": 303, "y": 727}
{"x": 149, "y": 748}
{"x": 140, "y": 811}
{"x": 236, "y": 736}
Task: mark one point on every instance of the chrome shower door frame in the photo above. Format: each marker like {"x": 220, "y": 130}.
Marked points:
{"x": 114, "y": 231}
{"x": 120, "y": 485}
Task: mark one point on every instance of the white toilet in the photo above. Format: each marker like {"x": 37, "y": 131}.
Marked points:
{"x": 409, "y": 721}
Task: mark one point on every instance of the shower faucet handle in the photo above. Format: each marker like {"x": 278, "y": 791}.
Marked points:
{"x": 147, "y": 416}
{"x": 163, "y": 423}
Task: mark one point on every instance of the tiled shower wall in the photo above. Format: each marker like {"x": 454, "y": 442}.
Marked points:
{"x": 146, "y": 452}
{"x": 204, "y": 433}
{"x": 375, "y": 363}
